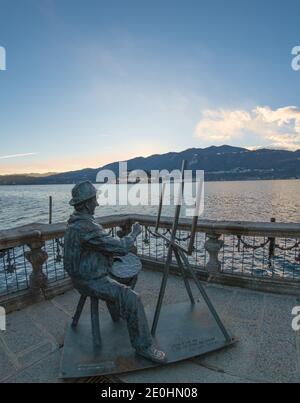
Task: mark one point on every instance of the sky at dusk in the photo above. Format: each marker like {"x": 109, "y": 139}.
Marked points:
{"x": 88, "y": 82}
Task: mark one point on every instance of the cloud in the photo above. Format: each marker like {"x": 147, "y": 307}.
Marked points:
{"x": 5, "y": 157}
{"x": 279, "y": 128}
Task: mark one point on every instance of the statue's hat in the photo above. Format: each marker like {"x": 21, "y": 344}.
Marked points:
{"x": 82, "y": 192}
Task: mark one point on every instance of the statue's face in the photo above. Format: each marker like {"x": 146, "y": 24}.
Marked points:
{"x": 92, "y": 204}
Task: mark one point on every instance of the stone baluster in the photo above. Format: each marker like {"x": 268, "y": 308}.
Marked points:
{"x": 213, "y": 245}
{"x": 37, "y": 257}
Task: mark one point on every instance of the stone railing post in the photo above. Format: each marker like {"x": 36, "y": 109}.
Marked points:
{"x": 213, "y": 245}
{"x": 37, "y": 257}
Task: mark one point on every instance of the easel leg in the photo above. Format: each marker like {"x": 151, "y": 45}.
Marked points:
{"x": 205, "y": 296}
{"x": 170, "y": 250}
{"x": 184, "y": 275}
{"x": 162, "y": 290}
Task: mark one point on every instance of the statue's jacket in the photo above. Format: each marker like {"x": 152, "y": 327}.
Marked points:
{"x": 89, "y": 250}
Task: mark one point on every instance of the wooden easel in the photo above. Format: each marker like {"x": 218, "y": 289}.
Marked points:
{"x": 183, "y": 263}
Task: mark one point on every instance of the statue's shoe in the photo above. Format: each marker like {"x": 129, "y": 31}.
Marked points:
{"x": 153, "y": 354}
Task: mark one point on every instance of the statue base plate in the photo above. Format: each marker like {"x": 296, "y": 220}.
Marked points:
{"x": 184, "y": 331}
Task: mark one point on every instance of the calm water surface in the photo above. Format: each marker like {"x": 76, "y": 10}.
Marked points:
{"x": 254, "y": 201}
{"x": 249, "y": 200}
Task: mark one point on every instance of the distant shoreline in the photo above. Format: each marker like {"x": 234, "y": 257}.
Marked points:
{"x": 220, "y": 164}
{"x": 206, "y": 180}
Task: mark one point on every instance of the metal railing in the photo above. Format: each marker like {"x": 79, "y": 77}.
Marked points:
{"x": 31, "y": 257}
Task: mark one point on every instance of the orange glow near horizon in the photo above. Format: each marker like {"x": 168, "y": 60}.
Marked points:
{"x": 38, "y": 166}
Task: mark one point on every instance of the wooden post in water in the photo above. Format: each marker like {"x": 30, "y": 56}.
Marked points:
{"x": 272, "y": 243}
{"x": 50, "y": 209}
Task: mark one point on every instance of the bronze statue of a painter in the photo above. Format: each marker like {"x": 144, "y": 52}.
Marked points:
{"x": 89, "y": 253}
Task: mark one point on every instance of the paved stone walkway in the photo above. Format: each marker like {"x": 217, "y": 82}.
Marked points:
{"x": 268, "y": 348}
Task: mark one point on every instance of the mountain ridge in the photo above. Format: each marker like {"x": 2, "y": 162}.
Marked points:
{"x": 220, "y": 163}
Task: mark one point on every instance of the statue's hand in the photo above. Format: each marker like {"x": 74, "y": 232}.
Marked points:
{"x": 136, "y": 229}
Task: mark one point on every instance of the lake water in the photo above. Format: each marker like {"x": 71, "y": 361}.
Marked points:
{"x": 248, "y": 200}
{"x": 253, "y": 201}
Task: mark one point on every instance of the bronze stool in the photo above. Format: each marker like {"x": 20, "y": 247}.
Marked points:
{"x": 130, "y": 282}
{"x": 94, "y": 318}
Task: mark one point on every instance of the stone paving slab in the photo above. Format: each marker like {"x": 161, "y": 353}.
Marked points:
{"x": 278, "y": 311}
{"x": 267, "y": 351}
{"x": 247, "y": 305}
{"x": 7, "y": 366}
{"x": 44, "y": 371}
{"x": 33, "y": 355}
{"x": 21, "y": 332}
{"x": 187, "y": 372}
{"x": 240, "y": 358}
{"x": 276, "y": 362}
{"x": 50, "y": 319}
